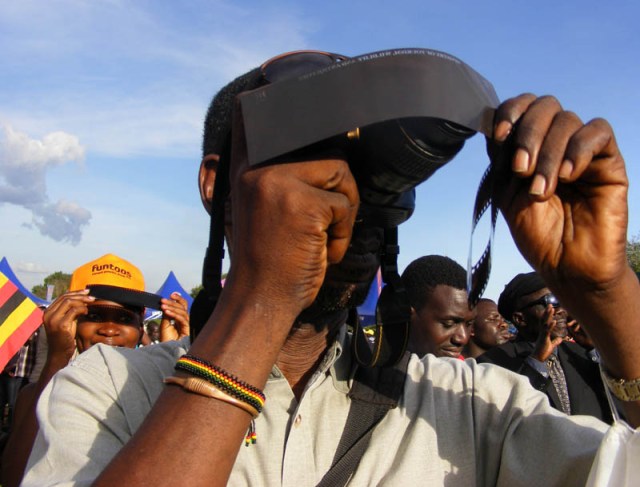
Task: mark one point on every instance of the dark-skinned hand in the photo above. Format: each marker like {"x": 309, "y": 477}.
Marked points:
{"x": 562, "y": 189}
{"x": 60, "y": 321}
{"x": 174, "y": 324}
{"x": 546, "y": 342}
{"x": 290, "y": 221}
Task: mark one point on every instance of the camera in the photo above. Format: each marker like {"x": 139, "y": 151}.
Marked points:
{"x": 389, "y": 159}
{"x": 396, "y": 116}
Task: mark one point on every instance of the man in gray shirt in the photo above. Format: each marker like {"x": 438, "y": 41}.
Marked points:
{"x": 299, "y": 260}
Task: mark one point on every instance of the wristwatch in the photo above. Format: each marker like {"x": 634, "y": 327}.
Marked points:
{"x": 625, "y": 390}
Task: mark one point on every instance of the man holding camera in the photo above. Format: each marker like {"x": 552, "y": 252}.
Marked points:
{"x": 300, "y": 259}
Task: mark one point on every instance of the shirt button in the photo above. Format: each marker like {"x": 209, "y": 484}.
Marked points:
{"x": 297, "y": 421}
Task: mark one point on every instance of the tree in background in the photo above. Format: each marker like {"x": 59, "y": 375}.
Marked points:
{"x": 194, "y": 291}
{"x": 60, "y": 282}
{"x": 633, "y": 252}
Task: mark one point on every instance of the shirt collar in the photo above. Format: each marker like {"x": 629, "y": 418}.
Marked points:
{"x": 336, "y": 362}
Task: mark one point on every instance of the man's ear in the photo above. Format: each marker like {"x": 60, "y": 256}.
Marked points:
{"x": 412, "y": 327}
{"x": 207, "y": 179}
{"x": 413, "y": 316}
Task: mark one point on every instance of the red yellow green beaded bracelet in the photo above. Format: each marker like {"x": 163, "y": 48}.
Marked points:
{"x": 223, "y": 380}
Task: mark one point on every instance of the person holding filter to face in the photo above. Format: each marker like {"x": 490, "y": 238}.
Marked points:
{"x": 75, "y": 322}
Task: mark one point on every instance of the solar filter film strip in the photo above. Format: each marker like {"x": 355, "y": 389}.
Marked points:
{"x": 478, "y": 273}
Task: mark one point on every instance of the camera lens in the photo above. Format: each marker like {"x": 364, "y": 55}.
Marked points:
{"x": 395, "y": 156}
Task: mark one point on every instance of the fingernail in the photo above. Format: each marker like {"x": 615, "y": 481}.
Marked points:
{"x": 538, "y": 186}
{"x": 521, "y": 161}
{"x": 566, "y": 168}
{"x": 503, "y": 130}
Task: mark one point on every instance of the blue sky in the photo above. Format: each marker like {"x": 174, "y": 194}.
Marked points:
{"x": 102, "y": 102}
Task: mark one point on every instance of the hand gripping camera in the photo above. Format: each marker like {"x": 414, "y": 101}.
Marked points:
{"x": 399, "y": 115}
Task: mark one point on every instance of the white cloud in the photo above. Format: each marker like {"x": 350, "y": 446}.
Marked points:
{"x": 24, "y": 163}
{"x": 128, "y": 79}
{"x": 62, "y": 221}
{"x": 29, "y": 268}
{"x": 56, "y": 148}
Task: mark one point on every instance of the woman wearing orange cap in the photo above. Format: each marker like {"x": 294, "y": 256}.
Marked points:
{"x": 105, "y": 305}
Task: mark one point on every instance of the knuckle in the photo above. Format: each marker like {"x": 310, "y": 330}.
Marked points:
{"x": 600, "y": 124}
{"x": 289, "y": 202}
{"x": 568, "y": 117}
{"x": 529, "y": 135}
{"x": 513, "y": 103}
{"x": 550, "y": 100}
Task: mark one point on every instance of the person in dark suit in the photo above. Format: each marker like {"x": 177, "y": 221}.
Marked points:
{"x": 566, "y": 372}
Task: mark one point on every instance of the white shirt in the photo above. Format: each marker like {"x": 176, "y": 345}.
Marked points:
{"x": 458, "y": 423}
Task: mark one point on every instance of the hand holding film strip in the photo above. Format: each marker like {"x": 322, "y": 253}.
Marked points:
{"x": 561, "y": 186}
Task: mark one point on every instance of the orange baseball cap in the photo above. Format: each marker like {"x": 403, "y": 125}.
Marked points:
{"x": 114, "y": 279}
{"x": 108, "y": 270}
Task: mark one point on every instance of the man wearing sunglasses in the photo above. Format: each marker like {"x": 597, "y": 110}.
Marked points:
{"x": 298, "y": 262}
{"x": 564, "y": 371}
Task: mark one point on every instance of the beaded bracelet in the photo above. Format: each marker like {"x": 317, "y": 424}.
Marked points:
{"x": 222, "y": 380}
{"x": 207, "y": 389}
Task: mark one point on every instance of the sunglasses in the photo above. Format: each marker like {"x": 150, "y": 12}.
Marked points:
{"x": 111, "y": 314}
{"x": 546, "y": 300}
{"x": 297, "y": 63}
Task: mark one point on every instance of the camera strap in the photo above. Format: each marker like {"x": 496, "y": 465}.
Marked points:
{"x": 374, "y": 392}
{"x": 206, "y": 300}
{"x": 393, "y": 313}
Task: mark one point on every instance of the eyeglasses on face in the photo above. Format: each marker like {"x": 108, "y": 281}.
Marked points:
{"x": 297, "y": 63}
{"x": 546, "y": 300}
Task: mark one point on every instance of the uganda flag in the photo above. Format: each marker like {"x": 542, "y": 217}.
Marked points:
{"x": 19, "y": 318}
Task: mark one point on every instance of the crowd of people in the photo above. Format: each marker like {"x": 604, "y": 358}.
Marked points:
{"x": 272, "y": 367}
{"x": 550, "y": 348}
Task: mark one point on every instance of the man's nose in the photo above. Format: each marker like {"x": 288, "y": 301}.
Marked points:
{"x": 109, "y": 329}
{"x": 461, "y": 335}
{"x": 560, "y": 312}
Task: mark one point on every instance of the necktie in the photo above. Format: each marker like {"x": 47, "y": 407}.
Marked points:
{"x": 559, "y": 382}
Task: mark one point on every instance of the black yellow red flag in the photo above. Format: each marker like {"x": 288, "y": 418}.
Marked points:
{"x": 19, "y": 318}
